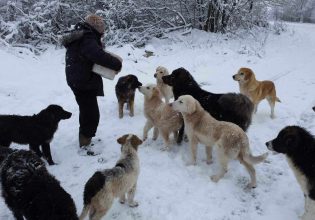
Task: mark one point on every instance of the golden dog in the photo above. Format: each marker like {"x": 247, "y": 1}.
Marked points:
{"x": 165, "y": 89}
{"x": 256, "y": 90}
{"x": 159, "y": 115}
{"x": 231, "y": 140}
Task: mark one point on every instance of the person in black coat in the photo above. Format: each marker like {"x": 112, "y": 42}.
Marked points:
{"x": 84, "y": 49}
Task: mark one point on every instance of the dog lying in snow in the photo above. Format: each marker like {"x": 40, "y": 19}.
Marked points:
{"x": 231, "y": 140}
{"x": 165, "y": 89}
{"x": 106, "y": 185}
{"x": 159, "y": 115}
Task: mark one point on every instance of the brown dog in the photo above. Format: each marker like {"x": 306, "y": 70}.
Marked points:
{"x": 256, "y": 90}
{"x": 125, "y": 92}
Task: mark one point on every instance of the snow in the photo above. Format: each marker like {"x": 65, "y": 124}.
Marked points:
{"x": 168, "y": 187}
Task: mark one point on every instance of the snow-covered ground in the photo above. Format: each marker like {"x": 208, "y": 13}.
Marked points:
{"x": 168, "y": 188}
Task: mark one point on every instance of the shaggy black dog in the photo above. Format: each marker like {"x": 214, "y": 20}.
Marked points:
{"x": 34, "y": 130}
{"x": 299, "y": 147}
{"x": 30, "y": 191}
{"x": 125, "y": 92}
{"x": 4, "y": 153}
{"x": 232, "y": 107}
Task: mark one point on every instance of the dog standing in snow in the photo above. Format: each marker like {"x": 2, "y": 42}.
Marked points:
{"x": 104, "y": 186}
{"x": 165, "y": 89}
{"x": 159, "y": 115}
{"x": 231, "y": 140}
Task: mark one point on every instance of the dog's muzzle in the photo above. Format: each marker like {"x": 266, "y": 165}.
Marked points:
{"x": 269, "y": 145}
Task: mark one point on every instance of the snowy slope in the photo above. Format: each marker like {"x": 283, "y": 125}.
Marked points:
{"x": 168, "y": 188}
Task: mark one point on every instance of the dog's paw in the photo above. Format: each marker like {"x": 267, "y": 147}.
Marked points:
{"x": 165, "y": 148}
{"x": 133, "y": 204}
{"x": 51, "y": 163}
{"x": 215, "y": 178}
{"x": 131, "y": 114}
{"x": 251, "y": 185}
{"x": 209, "y": 161}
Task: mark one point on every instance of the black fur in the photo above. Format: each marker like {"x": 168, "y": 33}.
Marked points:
{"x": 30, "y": 191}
{"x": 314, "y": 108}
{"x": 4, "y": 153}
{"x": 93, "y": 186}
{"x": 299, "y": 145}
{"x": 126, "y": 87}
{"x": 232, "y": 107}
{"x": 34, "y": 130}
{"x": 125, "y": 92}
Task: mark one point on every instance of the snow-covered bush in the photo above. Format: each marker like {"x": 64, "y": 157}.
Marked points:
{"x": 38, "y": 22}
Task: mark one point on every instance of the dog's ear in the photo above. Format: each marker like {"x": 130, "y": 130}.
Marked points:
{"x": 135, "y": 142}
{"x": 191, "y": 105}
{"x": 156, "y": 92}
{"x": 291, "y": 141}
{"x": 122, "y": 139}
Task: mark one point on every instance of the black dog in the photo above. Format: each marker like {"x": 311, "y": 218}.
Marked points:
{"x": 235, "y": 108}
{"x": 125, "y": 92}
{"x": 4, "y": 153}
{"x": 34, "y": 130}
{"x": 299, "y": 147}
{"x": 30, "y": 191}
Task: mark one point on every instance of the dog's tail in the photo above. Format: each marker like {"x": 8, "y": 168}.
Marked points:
{"x": 85, "y": 211}
{"x": 249, "y": 158}
{"x": 277, "y": 99}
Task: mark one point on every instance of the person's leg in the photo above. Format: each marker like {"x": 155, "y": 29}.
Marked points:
{"x": 89, "y": 116}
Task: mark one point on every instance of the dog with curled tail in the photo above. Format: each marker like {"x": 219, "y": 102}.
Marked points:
{"x": 106, "y": 185}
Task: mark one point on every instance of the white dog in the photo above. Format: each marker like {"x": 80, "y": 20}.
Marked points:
{"x": 159, "y": 115}
{"x": 166, "y": 90}
{"x": 231, "y": 140}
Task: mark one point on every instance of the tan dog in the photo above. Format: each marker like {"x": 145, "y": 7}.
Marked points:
{"x": 231, "y": 140}
{"x": 256, "y": 90}
{"x": 104, "y": 186}
{"x": 159, "y": 115}
{"x": 165, "y": 90}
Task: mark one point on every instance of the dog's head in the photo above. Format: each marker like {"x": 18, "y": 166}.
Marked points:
{"x": 132, "y": 82}
{"x": 179, "y": 77}
{"x": 129, "y": 141}
{"x": 289, "y": 140}
{"x": 244, "y": 75}
{"x": 150, "y": 90}
{"x": 185, "y": 104}
{"x": 56, "y": 112}
{"x": 160, "y": 72}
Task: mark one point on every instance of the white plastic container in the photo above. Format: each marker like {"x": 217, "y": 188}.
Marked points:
{"x": 104, "y": 71}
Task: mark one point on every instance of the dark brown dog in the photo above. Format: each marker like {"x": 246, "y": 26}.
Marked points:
{"x": 125, "y": 93}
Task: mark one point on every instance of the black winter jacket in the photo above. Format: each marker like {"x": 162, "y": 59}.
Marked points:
{"x": 84, "y": 48}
